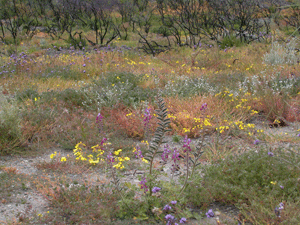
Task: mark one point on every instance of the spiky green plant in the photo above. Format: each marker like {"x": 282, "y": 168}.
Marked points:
{"x": 163, "y": 127}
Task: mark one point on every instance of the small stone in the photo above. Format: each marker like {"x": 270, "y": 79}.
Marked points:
{"x": 217, "y": 213}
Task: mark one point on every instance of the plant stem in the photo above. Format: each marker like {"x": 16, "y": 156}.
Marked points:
{"x": 187, "y": 174}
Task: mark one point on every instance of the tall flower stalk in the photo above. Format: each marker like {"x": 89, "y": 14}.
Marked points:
{"x": 195, "y": 154}
{"x": 162, "y": 128}
{"x": 99, "y": 121}
{"x": 147, "y": 118}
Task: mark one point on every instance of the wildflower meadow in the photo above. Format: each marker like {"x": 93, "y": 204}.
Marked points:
{"x": 149, "y": 112}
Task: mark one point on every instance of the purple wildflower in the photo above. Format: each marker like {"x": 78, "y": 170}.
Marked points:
{"x": 165, "y": 154}
{"x": 110, "y": 158}
{"x": 103, "y": 141}
{"x": 138, "y": 152}
{"x": 186, "y": 145}
{"x": 298, "y": 135}
{"x": 99, "y": 122}
{"x": 176, "y": 155}
{"x": 169, "y": 217}
{"x": 147, "y": 116}
{"x": 210, "y": 213}
{"x": 156, "y": 189}
{"x": 84, "y": 65}
{"x": 256, "y": 142}
{"x": 167, "y": 207}
{"x": 281, "y": 206}
{"x": 277, "y": 209}
{"x": 182, "y": 220}
{"x": 99, "y": 118}
{"x": 203, "y": 107}
{"x": 281, "y": 186}
{"x": 174, "y": 202}
{"x": 143, "y": 184}
{"x": 270, "y": 153}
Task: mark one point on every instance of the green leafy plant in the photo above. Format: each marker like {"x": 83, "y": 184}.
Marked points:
{"x": 247, "y": 180}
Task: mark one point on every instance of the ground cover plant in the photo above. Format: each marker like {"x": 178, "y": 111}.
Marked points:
{"x": 149, "y": 112}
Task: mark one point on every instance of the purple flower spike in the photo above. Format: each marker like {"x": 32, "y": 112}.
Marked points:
{"x": 175, "y": 155}
{"x": 169, "y": 217}
{"x": 138, "y": 152}
{"x": 99, "y": 118}
{"x": 270, "y": 153}
{"x": 203, "y": 107}
{"x": 165, "y": 154}
{"x": 167, "y": 207}
{"x": 210, "y": 213}
{"x": 110, "y": 158}
{"x": 156, "y": 189}
{"x": 186, "y": 146}
{"x": 143, "y": 184}
{"x": 147, "y": 116}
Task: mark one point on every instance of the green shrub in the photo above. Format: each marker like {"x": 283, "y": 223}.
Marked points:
{"x": 230, "y": 41}
{"x": 29, "y": 93}
{"x": 72, "y": 97}
{"x": 249, "y": 179}
{"x": 77, "y": 42}
{"x": 10, "y": 124}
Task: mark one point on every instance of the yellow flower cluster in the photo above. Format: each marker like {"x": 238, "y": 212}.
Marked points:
{"x": 95, "y": 158}
{"x": 144, "y": 160}
{"x": 78, "y": 152}
{"x": 53, "y": 155}
{"x": 222, "y": 128}
{"x": 172, "y": 116}
{"x": 239, "y": 103}
{"x": 186, "y": 130}
{"x": 63, "y": 159}
{"x": 96, "y": 149}
{"x": 238, "y": 124}
{"x": 204, "y": 123}
{"x": 120, "y": 165}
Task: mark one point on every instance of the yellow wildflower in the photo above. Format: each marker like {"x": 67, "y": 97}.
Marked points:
{"x": 63, "y": 159}
{"x": 144, "y": 160}
{"x": 117, "y": 152}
